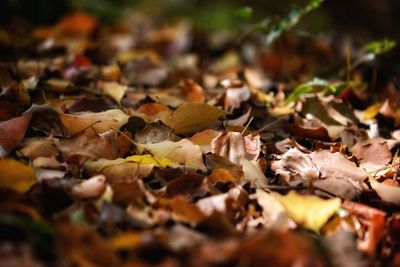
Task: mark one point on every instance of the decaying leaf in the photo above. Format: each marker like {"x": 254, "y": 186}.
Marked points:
{"x": 89, "y": 145}
{"x": 230, "y": 145}
{"x": 331, "y": 172}
{"x": 373, "y": 154}
{"x": 136, "y": 140}
{"x": 236, "y": 147}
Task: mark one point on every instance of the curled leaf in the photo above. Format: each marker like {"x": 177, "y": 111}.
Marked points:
{"x": 386, "y": 192}
{"x": 12, "y": 132}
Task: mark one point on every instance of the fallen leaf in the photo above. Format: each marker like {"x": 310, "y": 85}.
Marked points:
{"x": 331, "y": 172}
{"x": 386, "y": 192}
{"x": 100, "y": 121}
{"x": 112, "y": 89}
{"x": 336, "y": 165}
{"x": 183, "y": 211}
{"x": 16, "y": 175}
{"x": 149, "y": 159}
{"x": 39, "y": 147}
{"x": 194, "y": 117}
{"x": 92, "y": 104}
{"x": 184, "y": 152}
{"x": 46, "y": 119}
{"x": 215, "y": 162}
{"x": 252, "y": 173}
{"x": 299, "y": 163}
{"x": 221, "y": 175}
{"x": 144, "y": 72}
{"x": 155, "y": 132}
{"x": 126, "y": 241}
{"x": 235, "y": 96}
{"x": 118, "y": 169}
{"x": 190, "y": 184}
{"x": 12, "y": 132}
{"x": 203, "y": 139}
{"x": 88, "y": 144}
{"x": 193, "y": 92}
{"x": 373, "y": 153}
{"x": 230, "y": 145}
{"x": 209, "y": 205}
{"x": 90, "y": 188}
{"x": 311, "y": 211}
{"x": 318, "y": 133}
{"x": 273, "y": 211}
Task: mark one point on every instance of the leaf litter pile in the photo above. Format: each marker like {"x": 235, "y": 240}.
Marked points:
{"x": 148, "y": 144}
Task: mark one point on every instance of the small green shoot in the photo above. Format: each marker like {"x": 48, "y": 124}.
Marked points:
{"x": 320, "y": 85}
{"x": 294, "y": 16}
{"x": 374, "y": 49}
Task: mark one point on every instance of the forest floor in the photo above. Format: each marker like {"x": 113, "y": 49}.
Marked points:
{"x": 154, "y": 144}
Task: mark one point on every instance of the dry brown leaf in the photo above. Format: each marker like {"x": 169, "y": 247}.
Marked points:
{"x": 100, "y": 121}
{"x": 373, "y": 154}
{"x": 88, "y": 144}
{"x": 118, "y": 169}
{"x": 39, "y": 147}
{"x": 194, "y": 117}
{"x": 230, "y": 145}
{"x": 12, "y": 132}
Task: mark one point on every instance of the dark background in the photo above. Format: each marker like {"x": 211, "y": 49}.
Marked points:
{"x": 372, "y": 18}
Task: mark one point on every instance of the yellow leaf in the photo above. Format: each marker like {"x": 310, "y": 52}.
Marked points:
{"x": 194, "y": 117}
{"x": 16, "y": 175}
{"x": 182, "y": 152}
{"x": 372, "y": 111}
{"x": 281, "y": 111}
{"x": 113, "y": 89}
{"x": 311, "y": 211}
{"x": 149, "y": 159}
{"x": 125, "y": 57}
